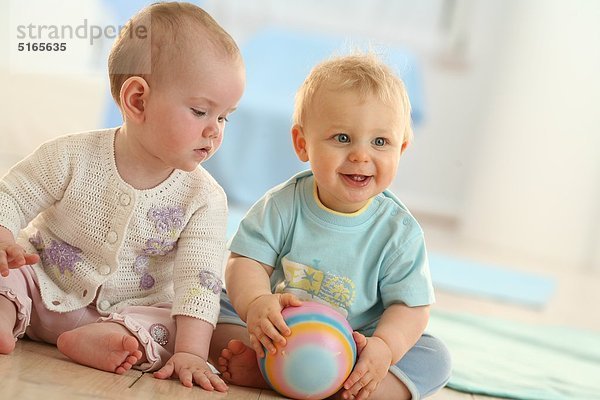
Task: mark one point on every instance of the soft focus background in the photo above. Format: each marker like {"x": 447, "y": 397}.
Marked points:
{"x": 506, "y": 157}
{"x": 503, "y": 174}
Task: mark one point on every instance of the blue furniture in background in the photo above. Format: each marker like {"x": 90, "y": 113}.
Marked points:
{"x": 257, "y": 152}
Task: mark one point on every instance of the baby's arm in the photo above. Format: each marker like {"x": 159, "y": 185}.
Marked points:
{"x": 249, "y": 289}
{"x": 191, "y": 352}
{"x": 401, "y": 327}
{"x": 13, "y": 255}
{"x": 397, "y": 332}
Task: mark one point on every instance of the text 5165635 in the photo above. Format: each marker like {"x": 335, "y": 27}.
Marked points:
{"x": 42, "y": 46}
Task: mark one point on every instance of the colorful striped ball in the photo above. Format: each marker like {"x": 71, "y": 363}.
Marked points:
{"x": 318, "y": 357}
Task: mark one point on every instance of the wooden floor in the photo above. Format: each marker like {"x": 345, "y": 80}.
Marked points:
{"x": 38, "y": 371}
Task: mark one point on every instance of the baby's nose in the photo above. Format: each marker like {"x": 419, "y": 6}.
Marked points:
{"x": 211, "y": 131}
{"x": 358, "y": 154}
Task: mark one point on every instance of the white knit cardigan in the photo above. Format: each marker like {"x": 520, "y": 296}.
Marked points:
{"x": 103, "y": 241}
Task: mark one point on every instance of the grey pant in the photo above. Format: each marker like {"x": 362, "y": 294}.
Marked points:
{"x": 424, "y": 369}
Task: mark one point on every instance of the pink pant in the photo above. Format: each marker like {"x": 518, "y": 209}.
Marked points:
{"x": 153, "y": 325}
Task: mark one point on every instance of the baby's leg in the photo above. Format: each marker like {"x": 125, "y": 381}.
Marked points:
{"x": 8, "y": 317}
{"x": 235, "y": 358}
{"x": 222, "y": 335}
{"x": 107, "y": 346}
{"x": 15, "y": 305}
{"x": 238, "y": 365}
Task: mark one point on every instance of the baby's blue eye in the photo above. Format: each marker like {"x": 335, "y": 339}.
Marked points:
{"x": 223, "y": 119}
{"x": 379, "y": 141}
{"x": 342, "y": 138}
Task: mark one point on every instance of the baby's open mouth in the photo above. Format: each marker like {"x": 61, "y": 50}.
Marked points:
{"x": 357, "y": 179}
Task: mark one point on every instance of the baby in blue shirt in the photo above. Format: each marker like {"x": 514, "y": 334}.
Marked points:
{"x": 336, "y": 235}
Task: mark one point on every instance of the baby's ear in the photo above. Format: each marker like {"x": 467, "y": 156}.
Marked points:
{"x": 134, "y": 93}
{"x": 404, "y": 146}
{"x": 299, "y": 142}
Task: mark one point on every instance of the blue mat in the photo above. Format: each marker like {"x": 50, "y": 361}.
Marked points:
{"x": 495, "y": 282}
{"x": 516, "y": 360}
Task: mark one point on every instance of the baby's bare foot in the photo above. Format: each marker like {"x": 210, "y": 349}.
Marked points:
{"x": 7, "y": 342}
{"x": 101, "y": 346}
{"x": 238, "y": 366}
{"x": 8, "y": 315}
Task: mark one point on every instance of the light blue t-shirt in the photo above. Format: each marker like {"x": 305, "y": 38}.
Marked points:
{"x": 358, "y": 263}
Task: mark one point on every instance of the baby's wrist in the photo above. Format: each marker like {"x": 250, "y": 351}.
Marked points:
{"x": 191, "y": 354}
{"x": 387, "y": 346}
{"x": 252, "y": 302}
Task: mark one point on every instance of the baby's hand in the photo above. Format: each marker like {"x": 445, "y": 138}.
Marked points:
{"x": 374, "y": 359}
{"x": 265, "y": 322}
{"x": 191, "y": 369}
{"x": 14, "y": 256}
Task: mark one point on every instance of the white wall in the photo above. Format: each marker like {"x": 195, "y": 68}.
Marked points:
{"x": 435, "y": 171}
{"x": 535, "y": 187}
{"x": 47, "y": 94}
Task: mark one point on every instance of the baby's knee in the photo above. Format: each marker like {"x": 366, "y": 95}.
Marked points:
{"x": 444, "y": 362}
{"x": 426, "y": 368}
{"x": 439, "y": 364}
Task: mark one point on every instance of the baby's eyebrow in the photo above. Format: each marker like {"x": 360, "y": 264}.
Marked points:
{"x": 201, "y": 98}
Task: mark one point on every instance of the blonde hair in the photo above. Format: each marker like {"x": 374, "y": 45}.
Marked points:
{"x": 159, "y": 34}
{"x": 364, "y": 73}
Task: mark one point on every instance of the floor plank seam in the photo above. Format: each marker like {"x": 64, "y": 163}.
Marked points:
{"x": 136, "y": 380}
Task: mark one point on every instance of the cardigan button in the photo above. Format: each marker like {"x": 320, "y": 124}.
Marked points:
{"x": 112, "y": 237}
{"x": 125, "y": 199}
{"x": 104, "y": 269}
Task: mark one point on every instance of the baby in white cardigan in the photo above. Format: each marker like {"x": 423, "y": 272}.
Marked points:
{"x": 112, "y": 241}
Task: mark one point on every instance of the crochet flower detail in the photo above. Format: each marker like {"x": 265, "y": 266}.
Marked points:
{"x": 57, "y": 254}
{"x": 146, "y": 281}
{"x": 141, "y": 264}
{"x": 141, "y": 267}
{"x": 168, "y": 221}
{"x": 159, "y": 247}
{"x": 211, "y": 281}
